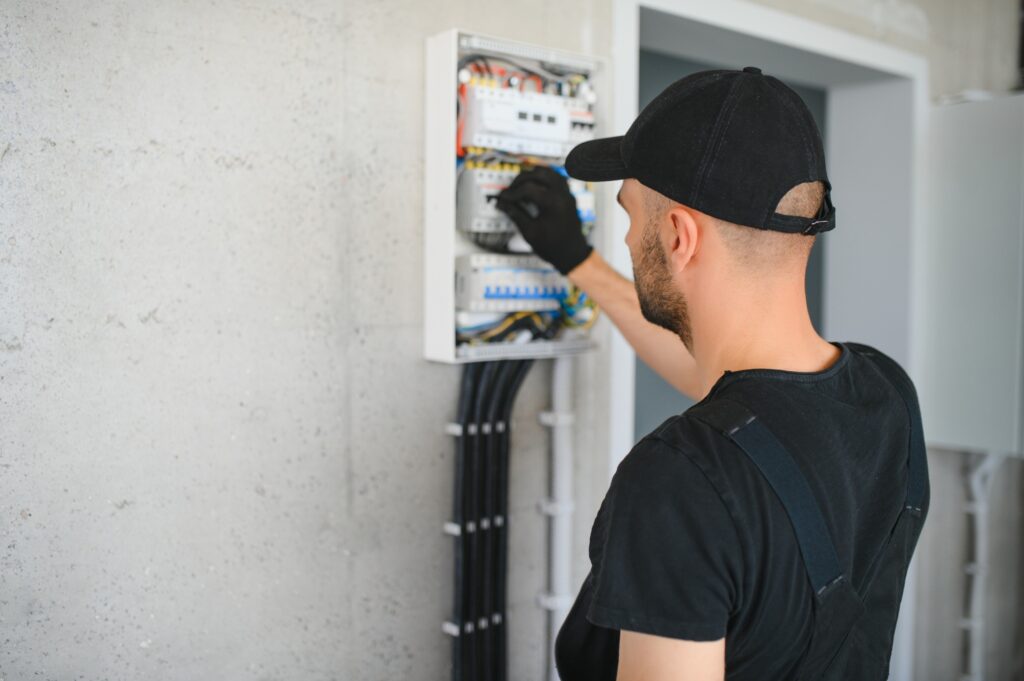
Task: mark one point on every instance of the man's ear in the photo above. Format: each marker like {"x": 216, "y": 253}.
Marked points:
{"x": 685, "y": 237}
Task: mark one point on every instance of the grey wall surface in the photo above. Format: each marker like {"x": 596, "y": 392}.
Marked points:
{"x": 973, "y": 401}
{"x": 221, "y": 455}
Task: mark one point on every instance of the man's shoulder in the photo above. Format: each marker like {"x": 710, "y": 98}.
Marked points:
{"x": 890, "y": 369}
{"x": 886, "y": 363}
{"x": 680, "y": 454}
{"x": 688, "y": 434}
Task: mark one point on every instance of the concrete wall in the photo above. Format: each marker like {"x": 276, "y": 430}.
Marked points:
{"x": 969, "y": 45}
{"x": 221, "y": 455}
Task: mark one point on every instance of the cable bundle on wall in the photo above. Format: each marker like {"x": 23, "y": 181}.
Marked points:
{"x": 492, "y": 303}
{"x": 479, "y": 524}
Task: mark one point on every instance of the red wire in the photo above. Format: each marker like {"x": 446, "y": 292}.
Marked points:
{"x": 459, "y": 150}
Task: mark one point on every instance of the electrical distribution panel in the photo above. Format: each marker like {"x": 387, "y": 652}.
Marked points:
{"x": 486, "y": 282}
{"x": 493, "y": 109}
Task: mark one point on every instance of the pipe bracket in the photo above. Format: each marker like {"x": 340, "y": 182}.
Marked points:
{"x": 555, "y": 419}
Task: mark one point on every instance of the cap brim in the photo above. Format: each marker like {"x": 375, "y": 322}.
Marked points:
{"x": 597, "y": 160}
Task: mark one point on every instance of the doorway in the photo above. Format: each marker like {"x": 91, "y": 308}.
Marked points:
{"x": 870, "y": 267}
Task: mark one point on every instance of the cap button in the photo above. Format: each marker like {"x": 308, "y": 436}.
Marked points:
{"x": 751, "y": 69}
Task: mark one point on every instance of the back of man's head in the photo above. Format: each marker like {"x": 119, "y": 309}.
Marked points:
{"x": 759, "y": 252}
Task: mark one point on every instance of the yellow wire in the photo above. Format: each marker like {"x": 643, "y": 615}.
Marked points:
{"x": 507, "y": 322}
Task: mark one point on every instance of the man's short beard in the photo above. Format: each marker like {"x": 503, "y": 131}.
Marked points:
{"x": 660, "y": 301}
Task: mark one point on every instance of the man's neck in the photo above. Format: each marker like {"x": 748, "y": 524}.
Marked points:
{"x": 764, "y": 333}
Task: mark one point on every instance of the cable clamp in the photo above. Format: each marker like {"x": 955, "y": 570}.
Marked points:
{"x": 471, "y": 429}
{"x": 470, "y": 526}
{"x": 553, "y": 508}
{"x": 555, "y": 419}
{"x": 453, "y": 429}
{"x": 550, "y": 601}
{"x": 450, "y": 628}
{"x": 485, "y": 428}
{"x": 499, "y": 520}
{"x": 485, "y": 523}
{"x": 481, "y": 623}
{"x": 454, "y": 529}
{"x": 496, "y": 618}
{"x": 499, "y": 426}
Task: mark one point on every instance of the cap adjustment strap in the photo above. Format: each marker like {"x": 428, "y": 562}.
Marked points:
{"x": 824, "y": 221}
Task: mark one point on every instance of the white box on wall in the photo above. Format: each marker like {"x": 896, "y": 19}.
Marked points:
{"x": 971, "y": 388}
{"x": 442, "y": 243}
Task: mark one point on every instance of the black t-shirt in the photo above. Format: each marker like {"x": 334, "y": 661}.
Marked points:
{"x": 691, "y": 542}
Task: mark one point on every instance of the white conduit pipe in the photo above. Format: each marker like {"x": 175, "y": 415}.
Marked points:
{"x": 559, "y": 505}
{"x": 980, "y": 482}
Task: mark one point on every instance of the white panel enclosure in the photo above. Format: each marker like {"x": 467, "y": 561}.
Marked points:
{"x": 971, "y": 380}
{"x": 510, "y": 121}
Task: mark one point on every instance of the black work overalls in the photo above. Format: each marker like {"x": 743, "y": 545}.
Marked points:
{"x": 853, "y": 629}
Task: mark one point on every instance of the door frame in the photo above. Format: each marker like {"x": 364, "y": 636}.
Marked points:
{"x": 877, "y": 105}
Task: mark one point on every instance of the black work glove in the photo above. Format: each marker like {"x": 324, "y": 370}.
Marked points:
{"x": 539, "y": 201}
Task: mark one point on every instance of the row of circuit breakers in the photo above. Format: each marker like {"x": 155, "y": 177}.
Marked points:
{"x": 514, "y": 112}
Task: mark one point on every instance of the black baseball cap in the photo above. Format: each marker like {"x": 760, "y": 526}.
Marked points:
{"x": 728, "y": 143}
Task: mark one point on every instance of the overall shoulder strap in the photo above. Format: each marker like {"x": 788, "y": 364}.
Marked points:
{"x": 777, "y": 466}
{"x": 917, "y": 461}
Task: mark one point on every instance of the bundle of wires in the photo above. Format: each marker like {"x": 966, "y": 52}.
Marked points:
{"x": 577, "y": 311}
{"x": 480, "y": 509}
{"x": 524, "y": 325}
{"x": 488, "y": 392}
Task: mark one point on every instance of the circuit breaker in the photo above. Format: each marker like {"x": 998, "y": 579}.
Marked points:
{"x": 494, "y": 108}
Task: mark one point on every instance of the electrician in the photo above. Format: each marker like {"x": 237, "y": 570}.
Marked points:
{"x": 765, "y": 532}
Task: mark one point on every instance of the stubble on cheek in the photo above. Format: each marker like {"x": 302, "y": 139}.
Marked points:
{"x": 660, "y": 302}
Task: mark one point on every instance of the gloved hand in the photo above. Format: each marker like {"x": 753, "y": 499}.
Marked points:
{"x": 539, "y": 201}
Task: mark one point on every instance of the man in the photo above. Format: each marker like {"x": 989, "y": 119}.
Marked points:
{"x": 764, "y": 533}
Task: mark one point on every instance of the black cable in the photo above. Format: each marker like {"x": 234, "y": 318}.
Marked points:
{"x": 498, "y": 442}
{"x": 475, "y": 544}
{"x": 487, "y": 394}
{"x": 470, "y": 375}
{"x": 552, "y": 329}
{"x": 502, "y": 378}
{"x": 530, "y": 324}
{"x": 520, "y": 370}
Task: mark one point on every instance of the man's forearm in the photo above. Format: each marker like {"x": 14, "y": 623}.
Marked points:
{"x": 661, "y": 349}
